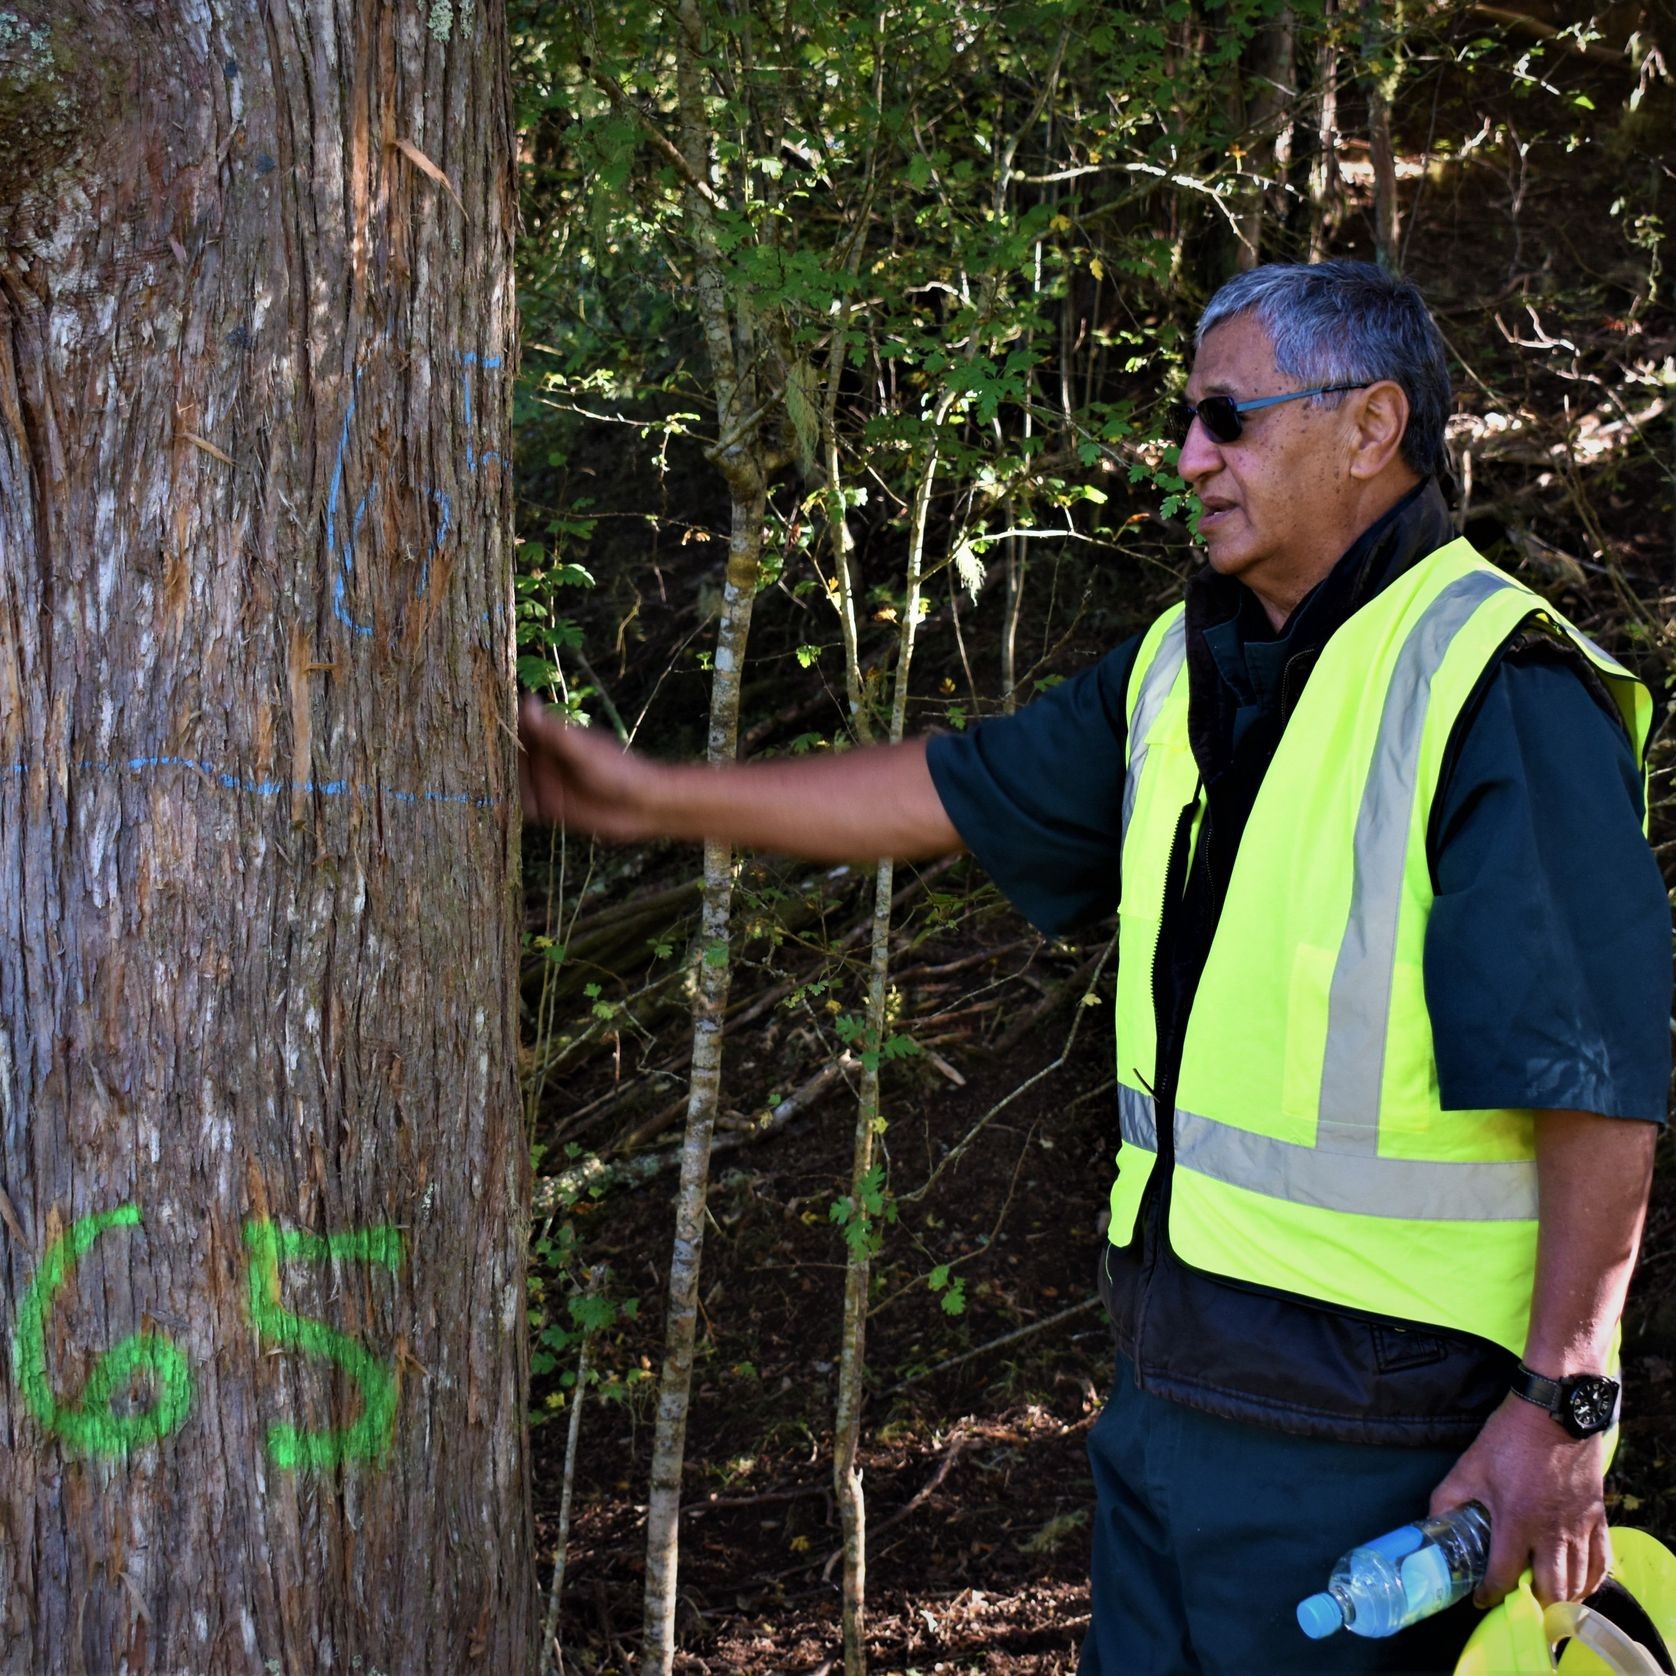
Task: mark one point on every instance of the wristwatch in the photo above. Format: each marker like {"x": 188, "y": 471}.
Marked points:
{"x": 1585, "y": 1404}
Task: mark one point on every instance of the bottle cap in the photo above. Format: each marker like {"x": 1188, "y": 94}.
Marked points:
{"x": 1319, "y": 1616}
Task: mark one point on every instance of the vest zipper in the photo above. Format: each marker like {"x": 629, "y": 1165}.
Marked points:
{"x": 1154, "y": 1206}
{"x": 1167, "y": 1058}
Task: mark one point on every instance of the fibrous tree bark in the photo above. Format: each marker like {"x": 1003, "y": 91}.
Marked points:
{"x": 261, "y": 1168}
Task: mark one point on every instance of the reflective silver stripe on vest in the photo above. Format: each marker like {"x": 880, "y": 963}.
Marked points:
{"x": 1414, "y": 1189}
{"x": 1600, "y": 654}
{"x": 1155, "y": 688}
{"x": 1137, "y": 1118}
{"x": 1359, "y": 1003}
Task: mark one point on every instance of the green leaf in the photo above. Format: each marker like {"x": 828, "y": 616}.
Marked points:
{"x": 591, "y": 1312}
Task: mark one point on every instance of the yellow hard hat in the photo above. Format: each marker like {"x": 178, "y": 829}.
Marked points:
{"x": 1627, "y": 1627}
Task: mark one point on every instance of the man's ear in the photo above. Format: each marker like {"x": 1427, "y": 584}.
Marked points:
{"x": 1381, "y": 418}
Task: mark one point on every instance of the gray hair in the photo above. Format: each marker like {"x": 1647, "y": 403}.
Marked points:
{"x": 1348, "y": 323}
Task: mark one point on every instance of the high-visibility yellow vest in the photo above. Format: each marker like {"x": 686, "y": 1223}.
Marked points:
{"x": 1312, "y": 1154}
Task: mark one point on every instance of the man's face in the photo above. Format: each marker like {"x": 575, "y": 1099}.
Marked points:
{"x": 1271, "y": 516}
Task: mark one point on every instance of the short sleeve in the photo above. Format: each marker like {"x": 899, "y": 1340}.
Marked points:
{"x": 1037, "y": 796}
{"x": 1548, "y": 951}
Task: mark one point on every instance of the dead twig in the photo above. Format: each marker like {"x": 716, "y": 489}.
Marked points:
{"x": 995, "y": 1344}
{"x": 597, "y": 1174}
{"x": 928, "y": 1489}
{"x": 958, "y": 1150}
{"x": 552, "y": 1649}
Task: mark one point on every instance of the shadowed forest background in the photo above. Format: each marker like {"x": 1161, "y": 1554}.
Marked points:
{"x": 847, "y": 332}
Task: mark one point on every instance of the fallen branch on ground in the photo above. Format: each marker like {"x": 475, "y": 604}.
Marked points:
{"x": 994, "y": 1344}
{"x": 595, "y": 1175}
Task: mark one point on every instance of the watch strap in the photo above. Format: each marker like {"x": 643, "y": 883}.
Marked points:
{"x": 1539, "y": 1389}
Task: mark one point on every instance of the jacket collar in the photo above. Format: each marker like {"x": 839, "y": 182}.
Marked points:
{"x": 1243, "y": 674}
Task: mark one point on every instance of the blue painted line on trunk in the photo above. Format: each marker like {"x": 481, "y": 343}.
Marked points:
{"x": 269, "y": 787}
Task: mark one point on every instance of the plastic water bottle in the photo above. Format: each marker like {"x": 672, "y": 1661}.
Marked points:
{"x": 1394, "y": 1581}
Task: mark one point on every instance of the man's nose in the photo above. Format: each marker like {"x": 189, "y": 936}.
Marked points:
{"x": 1199, "y": 454}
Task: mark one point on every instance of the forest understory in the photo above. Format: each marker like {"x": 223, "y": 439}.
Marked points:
{"x": 987, "y": 1353}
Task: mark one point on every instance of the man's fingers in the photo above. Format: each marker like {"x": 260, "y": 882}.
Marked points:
{"x": 540, "y": 794}
{"x": 1600, "y": 1556}
{"x": 1448, "y": 1496}
{"x": 578, "y": 777}
{"x": 534, "y": 723}
{"x": 1510, "y": 1553}
{"x": 1559, "y": 1570}
{"x": 1550, "y": 1576}
{"x": 1572, "y": 1568}
{"x": 540, "y": 788}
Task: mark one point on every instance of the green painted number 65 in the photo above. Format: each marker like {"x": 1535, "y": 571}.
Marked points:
{"x": 92, "y": 1426}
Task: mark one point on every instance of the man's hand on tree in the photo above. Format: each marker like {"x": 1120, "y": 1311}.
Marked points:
{"x": 1542, "y": 1488}
{"x": 855, "y": 805}
{"x": 580, "y": 779}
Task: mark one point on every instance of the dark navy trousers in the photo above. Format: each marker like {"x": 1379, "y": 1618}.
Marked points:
{"x": 1208, "y": 1532}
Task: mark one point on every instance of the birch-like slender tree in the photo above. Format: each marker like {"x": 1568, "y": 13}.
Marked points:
{"x": 861, "y": 1225}
{"x": 731, "y": 335}
{"x": 261, "y": 1169}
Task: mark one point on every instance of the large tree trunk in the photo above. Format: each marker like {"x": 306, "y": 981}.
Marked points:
{"x": 261, "y": 1169}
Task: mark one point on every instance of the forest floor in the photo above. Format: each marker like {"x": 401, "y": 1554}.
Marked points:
{"x": 977, "y": 1487}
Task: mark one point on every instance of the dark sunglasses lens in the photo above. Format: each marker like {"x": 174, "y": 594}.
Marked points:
{"x": 1217, "y": 414}
{"x": 1220, "y": 417}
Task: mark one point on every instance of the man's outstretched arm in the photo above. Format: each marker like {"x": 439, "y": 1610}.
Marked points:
{"x": 835, "y": 806}
{"x": 1542, "y": 1486}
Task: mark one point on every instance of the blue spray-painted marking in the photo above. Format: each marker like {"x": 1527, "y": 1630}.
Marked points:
{"x": 271, "y": 787}
{"x": 346, "y": 557}
{"x": 341, "y": 546}
{"x": 469, "y": 359}
{"x": 447, "y": 508}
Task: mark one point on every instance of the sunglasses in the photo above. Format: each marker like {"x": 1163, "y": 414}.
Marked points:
{"x": 1222, "y": 416}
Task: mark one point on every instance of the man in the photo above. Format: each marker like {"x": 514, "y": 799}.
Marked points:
{"x": 1393, "y": 982}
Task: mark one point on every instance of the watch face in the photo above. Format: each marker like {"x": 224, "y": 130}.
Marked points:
{"x": 1589, "y": 1404}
